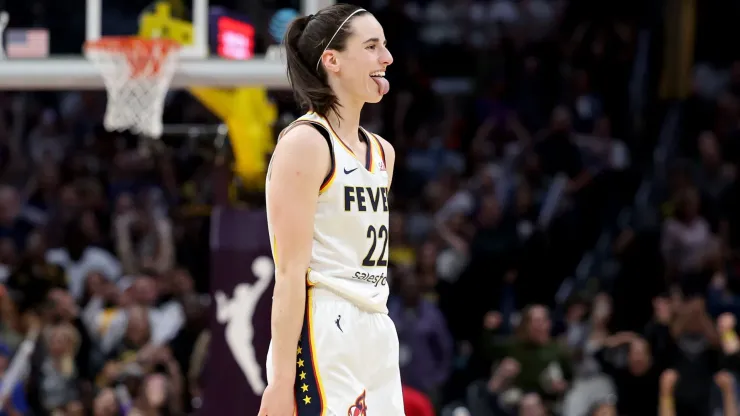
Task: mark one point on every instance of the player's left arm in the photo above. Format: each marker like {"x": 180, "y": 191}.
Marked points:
{"x": 390, "y": 158}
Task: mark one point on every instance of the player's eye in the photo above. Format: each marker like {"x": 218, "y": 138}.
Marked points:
{"x": 371, "y": 47}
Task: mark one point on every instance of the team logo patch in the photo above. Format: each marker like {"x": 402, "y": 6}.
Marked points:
{"x": 381, "y": 165}
{"x": 359, "y": 408}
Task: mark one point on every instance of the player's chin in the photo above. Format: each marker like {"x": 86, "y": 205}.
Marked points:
{"x": 373, "y": 96}
{"x": 374, "y": 99}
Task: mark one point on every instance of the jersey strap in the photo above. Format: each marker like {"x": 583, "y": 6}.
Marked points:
{"x": 380, "y": 145}
{"x": 333, "y": 168}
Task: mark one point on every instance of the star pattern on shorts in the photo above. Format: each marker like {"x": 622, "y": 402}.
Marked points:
{"x": 302, "y": 376}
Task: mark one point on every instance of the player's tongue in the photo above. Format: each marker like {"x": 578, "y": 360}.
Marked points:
{"x": 383, "y": 85}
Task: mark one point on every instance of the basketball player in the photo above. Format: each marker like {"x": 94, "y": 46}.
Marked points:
{"x": 334, "y": 350}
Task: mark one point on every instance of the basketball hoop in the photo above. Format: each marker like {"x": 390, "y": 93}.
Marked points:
{"x": 137, "y": 73}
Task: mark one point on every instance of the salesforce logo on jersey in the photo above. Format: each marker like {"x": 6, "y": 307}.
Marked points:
{"x": 375, "y": 279}
{"x": 242, "y": 273}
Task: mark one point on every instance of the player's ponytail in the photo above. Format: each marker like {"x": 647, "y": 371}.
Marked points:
{"x": 311, "y": 91}
{"x": 305, "y": 41}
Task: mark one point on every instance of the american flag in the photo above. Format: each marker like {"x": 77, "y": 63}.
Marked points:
{"x": 27, "y": 43}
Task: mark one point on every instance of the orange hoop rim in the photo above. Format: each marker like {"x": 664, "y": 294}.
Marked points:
{"x": 126, "y": 44}
{"x": 144, "y": 55}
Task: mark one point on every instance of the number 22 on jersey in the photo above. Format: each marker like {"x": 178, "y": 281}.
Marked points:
{"x": 378, "y": 241}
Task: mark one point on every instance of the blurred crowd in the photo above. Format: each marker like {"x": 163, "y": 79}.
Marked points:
{"x": 532, "y": 137}
{"x": 102, "y": 265}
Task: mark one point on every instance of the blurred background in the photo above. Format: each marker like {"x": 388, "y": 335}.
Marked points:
{"x": 565, "y": 227}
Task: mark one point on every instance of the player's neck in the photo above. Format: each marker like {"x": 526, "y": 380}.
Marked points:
{"x": 347, "y": 122}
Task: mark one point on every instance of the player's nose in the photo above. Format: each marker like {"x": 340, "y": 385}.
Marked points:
{"x": 386, "y": 58}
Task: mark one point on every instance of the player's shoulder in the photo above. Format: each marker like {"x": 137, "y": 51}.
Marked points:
{"x": 301, "y": 148}
{"x": 302, "y": 137}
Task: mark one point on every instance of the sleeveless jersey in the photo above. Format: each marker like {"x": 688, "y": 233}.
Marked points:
{"x": 350, "y": 238}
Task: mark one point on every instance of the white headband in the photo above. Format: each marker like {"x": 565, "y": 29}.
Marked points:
{"x": 335, "y": 35}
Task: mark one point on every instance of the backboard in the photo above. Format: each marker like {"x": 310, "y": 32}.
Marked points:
{"x": 72, "y": 22}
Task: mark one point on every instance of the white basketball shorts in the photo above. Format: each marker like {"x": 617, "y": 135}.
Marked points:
{"x": 346, "y": 361}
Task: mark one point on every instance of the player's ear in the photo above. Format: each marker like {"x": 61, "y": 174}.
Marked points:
{"x": 330, "y": 60}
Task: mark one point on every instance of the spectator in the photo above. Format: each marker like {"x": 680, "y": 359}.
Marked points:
{"x": 695, "y": 360}
{"x": 686, "y": 237}
{"x": 10, "y": 326}
{"x": 543, "y": 365}
{"x": 34, "y": 277}
{"x": 8, "y": 258}
{"x": 42, "y": 194}
{"x": 165, "y": 320}
{"x": 558, "y": 153}
{"x": 636, "y": 380}
{"x": 45, "y": 141}
{"x": 161, "y": 392}
{"x": 183, "y": 345}
{"x": 713, "y": 175}
{"x": 57, "y": 373}
{"x": 12, "y": 225}
{"x": 402, "y": 253}
{"x": 531, "y": 405}
{"x": 78, "y": 259}
{"x": 121, "y": 352}
{"x": 586, "y": 107}
{"x": 144, "y": 242}
{"x": 495, "y": 396}
{"x": 14, "y": 404}
{"x": 426, "y": 347}
{"x": 106, "y": 403}
{"x": 604, "y": 409}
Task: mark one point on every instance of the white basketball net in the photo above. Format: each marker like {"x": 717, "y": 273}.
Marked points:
{"x": 135, "y": 98}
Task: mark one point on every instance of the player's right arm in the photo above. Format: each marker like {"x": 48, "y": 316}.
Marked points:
{"x": 299, "y": 165}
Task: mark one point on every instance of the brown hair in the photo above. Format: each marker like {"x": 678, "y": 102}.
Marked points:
{"x": 305, "y": 42}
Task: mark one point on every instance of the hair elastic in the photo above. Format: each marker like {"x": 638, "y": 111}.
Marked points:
{"x": 335, "y": 35}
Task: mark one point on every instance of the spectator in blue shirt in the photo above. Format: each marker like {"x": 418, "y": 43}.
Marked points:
{"x": 16, "y": 404}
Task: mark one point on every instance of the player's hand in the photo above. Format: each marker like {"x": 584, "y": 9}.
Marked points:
{"x": 277, "y": 400}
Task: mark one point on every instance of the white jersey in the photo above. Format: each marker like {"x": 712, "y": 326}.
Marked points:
{"x": 350, "y": 238}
